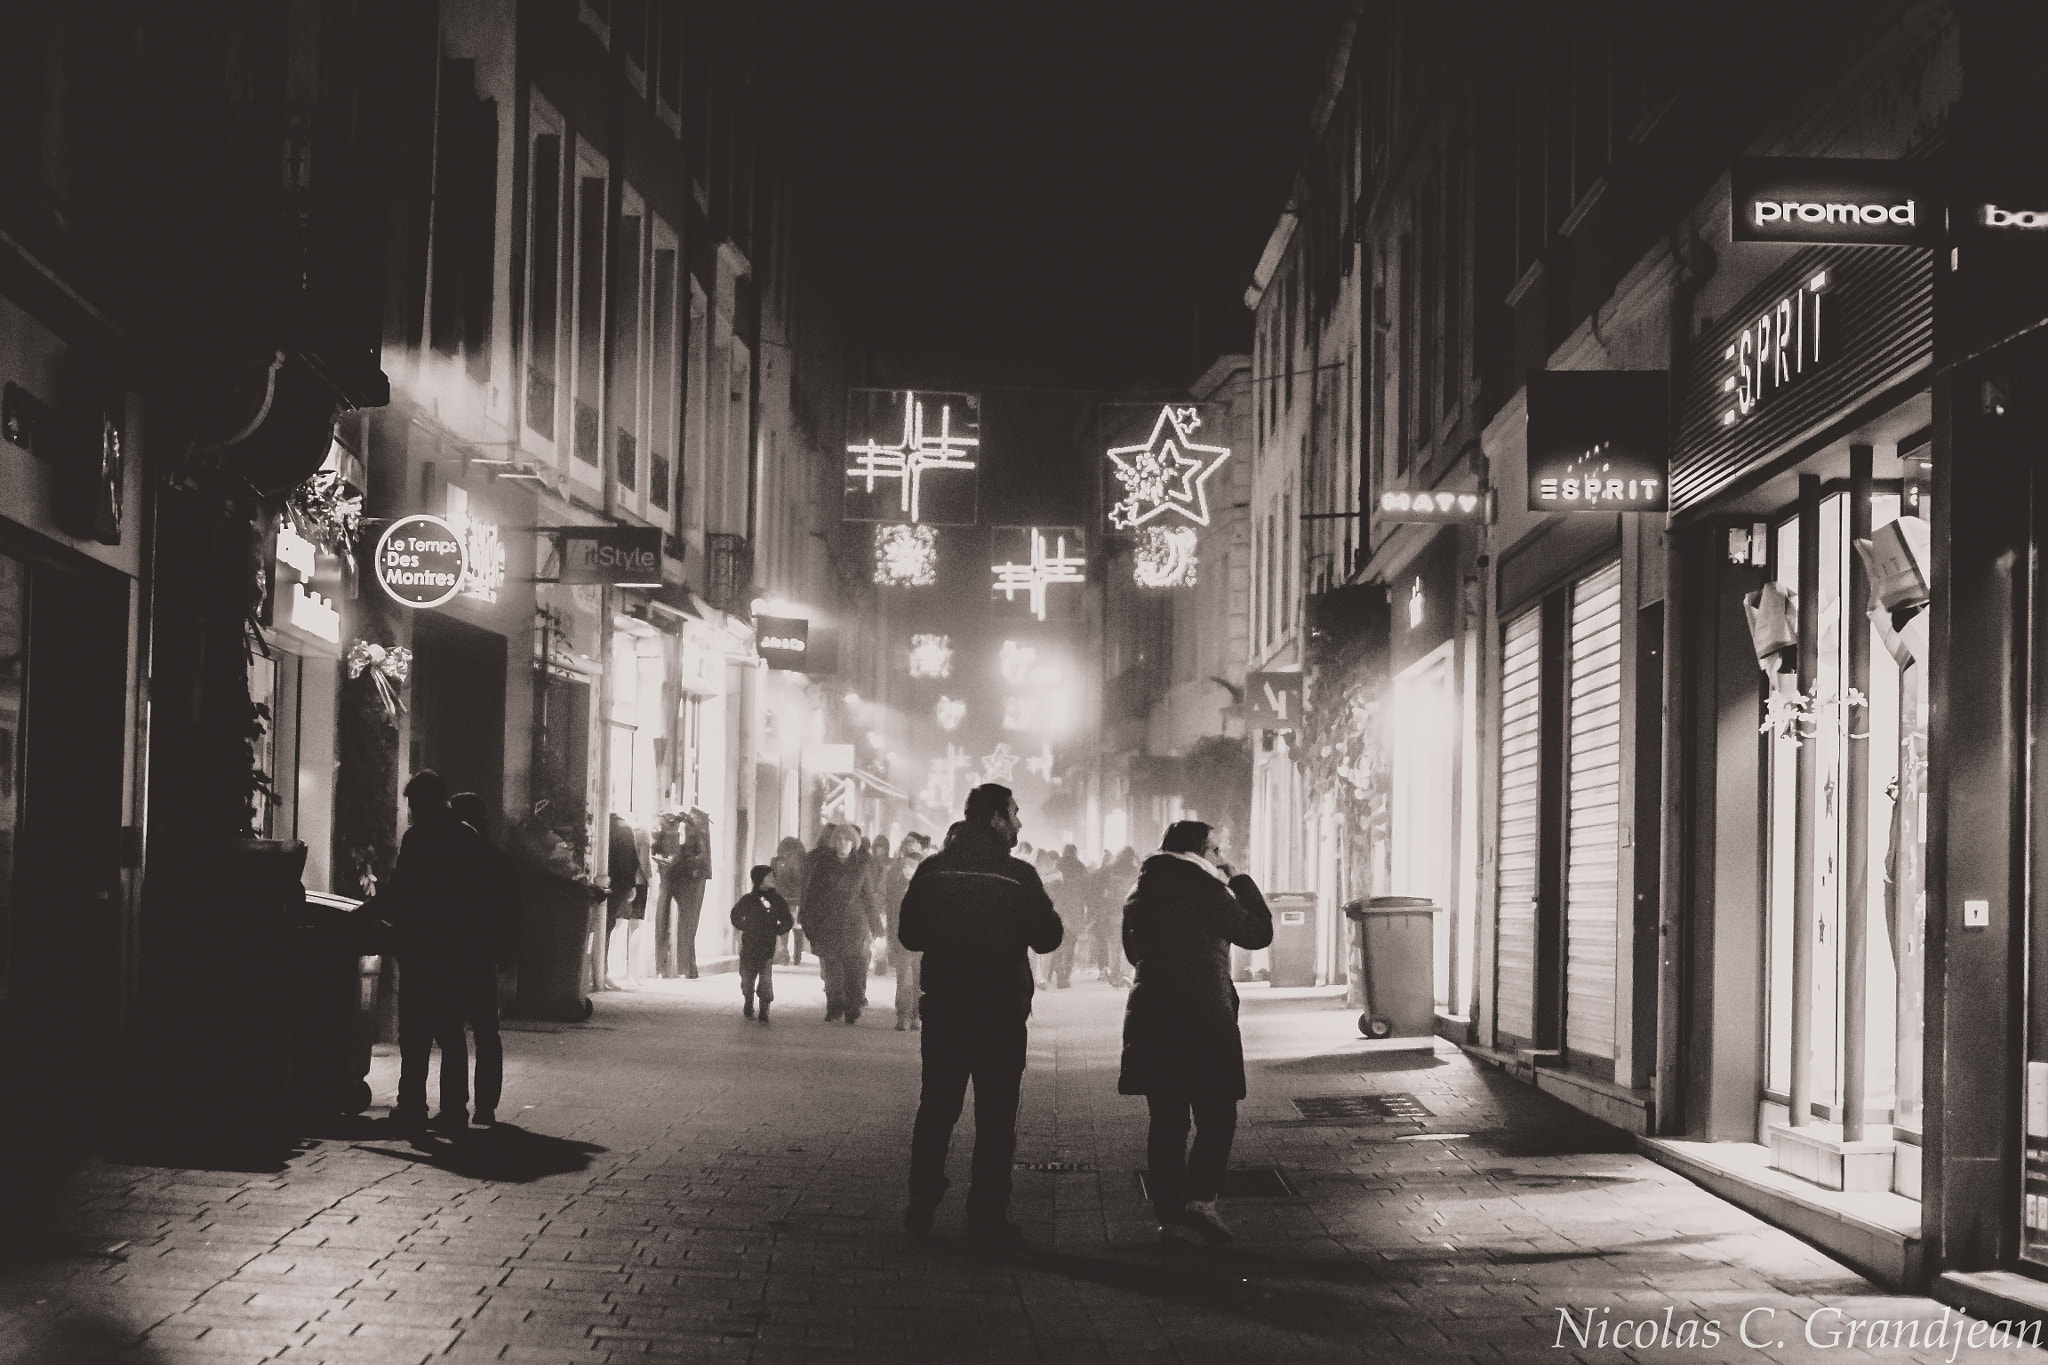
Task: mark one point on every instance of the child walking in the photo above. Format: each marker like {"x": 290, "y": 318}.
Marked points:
{"x": 762, "y": 916}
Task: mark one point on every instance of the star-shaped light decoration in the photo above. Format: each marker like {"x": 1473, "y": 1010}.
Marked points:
{"x": 1164, "y": 557}
{"x": 950, "y": 712}
{"x": 906, "y": 556}
{"x": 1168, "y": 473}
{"x": 931, "y": 656}
{"x": 1047, "y": 562}
{"x": 1000, "y": 766}
{"x": 925, "y": 445}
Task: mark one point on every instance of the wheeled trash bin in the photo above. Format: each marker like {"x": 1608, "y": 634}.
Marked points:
{"x": 337, "y": 957}
{"x": 554, "y": 919}
{"x": 1393, "y": 956}
{"x": 1293, "y": 953}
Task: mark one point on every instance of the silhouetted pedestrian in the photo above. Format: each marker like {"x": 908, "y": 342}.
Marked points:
{"x": 1182, "y": 1049}
{"x": 974, "y": 912}
{"x": 840, "y": 919}
{"x": 904, "y": 963}
{"x": 477, "y": 991}
{"x": 681, "y": 906}
{"x": 762, "y": 916}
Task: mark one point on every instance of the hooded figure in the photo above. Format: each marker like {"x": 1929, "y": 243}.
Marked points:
{"x": 1182, "y": 1049}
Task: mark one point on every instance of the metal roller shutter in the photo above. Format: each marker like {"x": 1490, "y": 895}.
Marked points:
{"x": 1521, "y": 795}
{"x": 1592, "y": 812}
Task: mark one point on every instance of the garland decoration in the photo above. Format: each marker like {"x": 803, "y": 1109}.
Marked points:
{"x": 388, "y": 667}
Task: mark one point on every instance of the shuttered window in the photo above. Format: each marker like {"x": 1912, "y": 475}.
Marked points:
{"x": 1592, "y": 812}
{"x": 1521, "y": 793}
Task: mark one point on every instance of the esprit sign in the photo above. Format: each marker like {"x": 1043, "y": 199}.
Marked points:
{"x": 1599, "y": 441}
{"x": 623, "y": 556}
{"x": 1855, "y": 203}
{"x": 1780, "y": 347}
{"x": 420, "y": 562}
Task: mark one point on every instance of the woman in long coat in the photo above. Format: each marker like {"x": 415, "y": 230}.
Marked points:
{"x": 1182, "y": 1049}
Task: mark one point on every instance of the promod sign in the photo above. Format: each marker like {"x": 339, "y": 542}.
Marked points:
{"x": 420, "y": 561}
{"x": 1852, "y": 203}
{"x": 1599, "y": 441}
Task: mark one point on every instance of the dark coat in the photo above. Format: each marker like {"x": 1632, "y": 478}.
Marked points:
{"x": 447, "y": 897}
{"x": 1180, "y": 1024}
{"x": 973, "y": 910}
{"x": 840, "y": 913}
{"x": 761, "y": 917}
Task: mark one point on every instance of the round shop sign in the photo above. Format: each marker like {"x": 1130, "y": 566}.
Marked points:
{"x": 420, "y": 561}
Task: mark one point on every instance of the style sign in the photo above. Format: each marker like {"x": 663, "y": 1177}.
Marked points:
{"x": 1437, "y": 507}
{"x": 419, "y": 561}
{"x": 623, "y": 556}
{"x": 1814, "y": 199}
{"x": 1275, "y": 700}
{"x": 783, "y": 641}
{"x": 1599, "y": 441}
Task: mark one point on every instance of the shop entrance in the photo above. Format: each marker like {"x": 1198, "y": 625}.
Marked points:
{"x": 63, "y": 660}
{"x": 458, "y": 706}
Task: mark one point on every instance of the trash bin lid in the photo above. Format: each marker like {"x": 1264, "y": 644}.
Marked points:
{"x": 1388, "y": 905}
{"x": 328, "y": 900}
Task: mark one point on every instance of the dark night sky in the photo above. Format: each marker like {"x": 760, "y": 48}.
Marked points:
{"x": 1053, "y": 193}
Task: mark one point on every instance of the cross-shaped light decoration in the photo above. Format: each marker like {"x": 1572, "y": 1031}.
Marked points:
{"x": 1000, "y": 766}
{"x": 950, "y": 712}
{"x": 1049, "y": 564}
{"x": 1168, "y": 473}
{"x": 945, "y": 779}
{"x": 1041, "y": 764}
{"x": 906, "y": 556}
{"x": 907, "y": 460}
{"x": 1164, "y": 557}
{"x": 1015, "y": 661}
{"x": 931, "y": 656}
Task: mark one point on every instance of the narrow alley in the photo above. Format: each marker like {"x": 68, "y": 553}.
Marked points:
{"x": 675, "y": 1183}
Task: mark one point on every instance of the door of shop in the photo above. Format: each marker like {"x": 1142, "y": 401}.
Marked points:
{"x": 63, "y": 661}
{"x": 458, "y": 705}
{"x": 1593, "y": 815}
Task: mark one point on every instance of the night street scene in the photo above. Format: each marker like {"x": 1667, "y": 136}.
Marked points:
{"x": 1197, "y": 681}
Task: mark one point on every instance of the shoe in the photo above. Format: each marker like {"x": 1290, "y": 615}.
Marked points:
{"x": 764, "y": 1014}
{"x": 917, "y": 1219}
{"x": 996, "y": 1232}
{"x": 689, "y": 976}
{"x": 449, "y": 1121}
{"x": 853, "y": 1016}
{"x": 486, "y": 1118}
{"x": 831, "y": 1016}
{"x": 902, "y": 1024}
{"x": 411, "y": 1120}
{"x": 747, "y": 1010}
{"x": 915, "y": 1022}
{"x": 1200, "y": 1215}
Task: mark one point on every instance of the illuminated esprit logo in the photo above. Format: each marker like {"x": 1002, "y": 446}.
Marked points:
{"x": 1047, "y": 563}
{"x": 1168, "y": 473}
{"x": 921, "y": 448}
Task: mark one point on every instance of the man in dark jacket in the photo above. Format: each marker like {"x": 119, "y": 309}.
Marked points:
{"x": 477, "y": 997}
{"x": 841, "y": 920}
{"x": 974, "y": 911}
{"x": 439, "y": 903}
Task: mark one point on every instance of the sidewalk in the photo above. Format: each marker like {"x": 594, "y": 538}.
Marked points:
{"x": 677, "y": 1184}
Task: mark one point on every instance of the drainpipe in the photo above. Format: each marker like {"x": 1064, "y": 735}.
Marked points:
{"x": 1806, "y": 771}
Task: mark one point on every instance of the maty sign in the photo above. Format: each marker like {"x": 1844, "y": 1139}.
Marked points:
{"x": 1473, "y": 509}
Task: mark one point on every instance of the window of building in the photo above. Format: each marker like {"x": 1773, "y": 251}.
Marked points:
{"x": 696, "y": 412}
{"x": 1405, "y": 304}
{"x": 1288, "y": 555}
{"x": 629, "y": 315}
{"x": 586, "y": 402}
{"x": 465, "y": 222}
{"x": 543, "y": 273}
{"x": 665, "y": 376}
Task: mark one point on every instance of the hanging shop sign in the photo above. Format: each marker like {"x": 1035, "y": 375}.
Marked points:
{"x": 1599, "y": 441}
{"x": 783, "y": 641}
{"x": 1043, "y": 564}
{"x": 915, "y": 457}
{"x": 1439, "y": 507}
{"x": 1275, "y": 700}
{"x": 483, "y": 551}
{"x": 420, "y": 561}
{"x": 1854, "y": 203}
{"x": 1166, "y": 475}
{"x": 622, "y": 556}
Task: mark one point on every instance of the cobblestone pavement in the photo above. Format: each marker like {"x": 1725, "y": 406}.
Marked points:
{"x": 677, "y": 1184}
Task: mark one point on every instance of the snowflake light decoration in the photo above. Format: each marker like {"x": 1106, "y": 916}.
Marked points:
{"x": 1168, "y": 473}
{"x": 931, "y": 656}
{"x": 949, "y": 713}
{"x": 924, "y": 445}
{"x": 1046, "y": 562}
{"x": 906, "y": 556}
{"x": 1164, "y": 557}
{"x": 1000, "y": 766}
{"x": 1041, "y": 764}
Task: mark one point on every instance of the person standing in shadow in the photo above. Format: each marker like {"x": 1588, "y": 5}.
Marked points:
{"x": 477, "y": 992}
{"x": 1182, "y": 1049}
{"x": 626, "y": 902}
{"x": 439, "y": 903}
{"x": 682, "y": 887}
{"x": 975, "y": 912}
